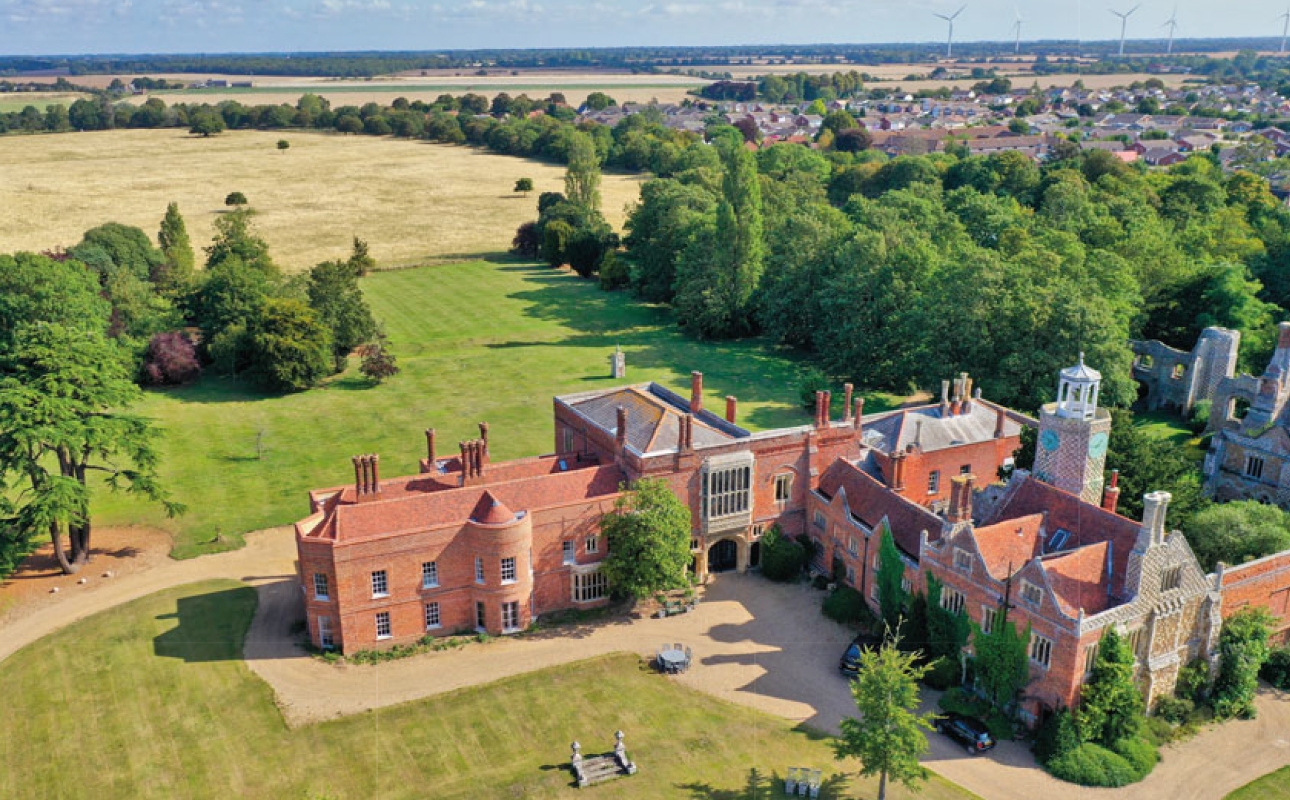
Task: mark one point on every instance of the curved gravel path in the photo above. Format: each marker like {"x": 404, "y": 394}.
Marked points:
{"x": 756, "y": 643}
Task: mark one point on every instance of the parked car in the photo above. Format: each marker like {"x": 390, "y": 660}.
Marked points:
{"x": 850, "y": 663}
{"x": 969, "y": 731}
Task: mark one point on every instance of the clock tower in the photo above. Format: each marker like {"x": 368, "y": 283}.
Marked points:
{"x": 1073, "y": 435}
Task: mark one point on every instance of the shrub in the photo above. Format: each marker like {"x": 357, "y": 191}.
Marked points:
{"x": 170, "y": 360}
{"x": 782, "y": 558}
{"x": 614, "y": 272}
{"x": 943, "y": 675}
{"x": 959, "y": 701}
{"x": 1141, "y": 755}
{"x": 1199, "y": 418}
{"x": 1158, "y": 731}
{"x": 1194, "y": 681}
{"x": 1174, "y": 710}
{"x": 808, "y": 547}
{"x": 1056, "y": 737}
{"x": 526, "y": 243}
{"x": 847, "y": 606}
{"x": 235, "y": 199}
{"x": 1276, "y": 670}
{"x": 1092, "y": 765}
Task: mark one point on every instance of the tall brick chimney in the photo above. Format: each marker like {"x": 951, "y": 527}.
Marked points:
{"x": 826, "y": 402}
{"x": 847, "y": 389}
{"x": 483, "y": 436}
{"x": 859, "y": 413}
{"x": 375, "y": 461}
{"x": 898, "y": 471}
{"x": 945, "y": 399}
{"x": 696, "y": 392}
{"x": 358, "y": 475}
{"x": 960, "y": 498}
{"x": 430, "y": 442}
{"x": 731, "y": 407}
{"x": 620, "y": 436}
{"x": 1111, "y": 497}
{"x": 367, "y": 476}
{"x": 1000, "y": 420}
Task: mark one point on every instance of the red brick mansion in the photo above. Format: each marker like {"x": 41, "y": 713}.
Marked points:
{"x": 472, "y": 544}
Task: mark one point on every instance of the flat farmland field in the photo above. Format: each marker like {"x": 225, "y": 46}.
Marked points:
{"x": 17, "y": 101}
{"x": 414, "y": 202}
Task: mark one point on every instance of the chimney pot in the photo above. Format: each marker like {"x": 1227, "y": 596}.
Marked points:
{"x": 430, "y": 448}
{"x": 859, "y": 412}
{"x": 847, "y": 390}
{"x": 731, "y": 407}
{"x": 483, "y": 435}
{"x": 358, "y": 474}
{"x": 696, "y": 392}
{"x": 376, "y": 473}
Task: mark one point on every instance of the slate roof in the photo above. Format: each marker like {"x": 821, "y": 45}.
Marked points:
{"x": 653, "y": 417}
{"x": 924, "y": 426}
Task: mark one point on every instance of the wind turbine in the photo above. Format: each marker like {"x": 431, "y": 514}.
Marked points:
{"x": 1016, "y": 29}
{"x": 1284, "y": 29}
{"x": 1124, "y": 20}
{"x": 949, "y": 43}
{"x": 1171, "y": 24}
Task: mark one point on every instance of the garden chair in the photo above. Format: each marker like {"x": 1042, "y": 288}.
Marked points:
{"x": 814, "y": 783}
{"x": 790, "y": 782}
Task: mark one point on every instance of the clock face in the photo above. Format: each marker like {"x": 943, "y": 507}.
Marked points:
{"x": 1050, "y": 440}
{"x": 1097, "y": 445}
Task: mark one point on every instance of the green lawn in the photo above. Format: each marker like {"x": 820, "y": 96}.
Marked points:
{"x": 1168, "y": 426}
{"x": 1273, "y": 786}
{"x": 152, "y": 700}
{"x": 477, "y": 342}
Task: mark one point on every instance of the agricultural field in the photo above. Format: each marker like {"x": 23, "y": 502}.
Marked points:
{"x": 17, "y": 101}
{"x": 414, "y": 202}
{"x": 477, "y": 342}
{"x": 191, "y": 720}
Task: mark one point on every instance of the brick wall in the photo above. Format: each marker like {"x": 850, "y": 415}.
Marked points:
{"x": 1264, "y": 583}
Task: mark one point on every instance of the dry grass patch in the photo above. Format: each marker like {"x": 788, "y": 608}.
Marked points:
{"x": 414, "y": 202}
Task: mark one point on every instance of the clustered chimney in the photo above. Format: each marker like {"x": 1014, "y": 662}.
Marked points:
{"x": 367, "y": 476}
{"x": 822, "y": 402}
{"x": 957, "y": 400}
{"x": 731, "y": 406}
{"x": 685, "y": 433}
{"x": 620, "y": 437}
{"x": 1111, "y": 497}
{"x": 961, "y": 498}
{"x": 430, "y": 442}
{"x": 474, "y": 455}
{"x": 696, "y": 392}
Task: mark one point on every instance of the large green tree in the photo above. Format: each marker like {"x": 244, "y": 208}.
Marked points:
{"x": 1243, "y": 648}
{"x": 1111, "y": 706}
{"x": 648, "y": 533}
{"x": 65, "y": 393}
{"x": 287, "y": 347}
{"x": 235, "y": 237}
{"x": 174, "y": 273}
{"x": 892, "y": 597}
{"x": 582, "y": 179}
{"x": 889, "y": 734}
{"x": 334, "y": 295}
{"x": 1001, "y": 662}
{"x": 1234, "y": 533}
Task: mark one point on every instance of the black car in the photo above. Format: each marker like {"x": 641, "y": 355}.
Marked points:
{"x": 969, "y": 731}
{"x": 850, "y": 663}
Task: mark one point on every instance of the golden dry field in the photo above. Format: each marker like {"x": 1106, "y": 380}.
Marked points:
{"x": 415, "y": 202}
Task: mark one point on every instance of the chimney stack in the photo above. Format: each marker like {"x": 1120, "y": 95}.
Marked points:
{"x": 967, "y": 394}
{"x": 696, "y": 392}
{"x": 376, "y": 473}
{"x": 956, "y": 398}
{"x": 847, "y": 389}
{"x": 945, "y": 399}
{"x": 358, "y": 475}
{"x": 826, "y": 403}
{"x": 1000, "y": 420}
{"x": 731, "y": 404}
{"x": 430, "y": 442}
{"x": 1153, "y": 514}
{"x": 859, "y": 412}
{"x": 621, "y": 434}
{"x": 1111, "y": 497}
{"x": 483, "y": 435}
{"x": 961, "y": 498}
{"x": 898, "y": 471}
{"x": 689, "y": 431}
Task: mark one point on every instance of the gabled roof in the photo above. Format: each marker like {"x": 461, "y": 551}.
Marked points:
{"x": 929, "y": 430}
{"x": 871, "y": 502}
{"x": 1078, "y": 579}
{"x": 1007, "y": 546}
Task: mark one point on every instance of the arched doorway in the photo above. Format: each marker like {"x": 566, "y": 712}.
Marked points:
{"x": 723, "y": 556}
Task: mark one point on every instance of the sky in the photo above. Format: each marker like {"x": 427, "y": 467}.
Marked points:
{"x": 29, "y": 27}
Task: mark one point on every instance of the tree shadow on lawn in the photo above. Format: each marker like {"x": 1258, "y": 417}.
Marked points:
{"x": 211, "y": 626}
{"x": 762, "y": 787}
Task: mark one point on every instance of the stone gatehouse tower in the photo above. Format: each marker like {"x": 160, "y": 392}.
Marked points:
{"x": 1073, "y": 435}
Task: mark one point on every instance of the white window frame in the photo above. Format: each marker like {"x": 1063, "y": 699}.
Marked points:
{"x": 433, "y": 618}
{"x": 962, "y": 560}
{"x": 510, "y": 617}
{"x": 934, "y": 481}
{"x": 429, "y": 574}
{"x": 321, "y": 582}
{"x": 383, "y": 623}
{"x": 989, "y": 617}
{"x": 508, "y": 568}
{"x": 592, "y": 545}
{"x": 569, "y": 552}
{"x": 727, "y": 491}
{"x": 819, "y": 520}
{"x": 380, "y": 584}
{"x": 783, "y": 487}
{"x": 853, "y": 546}
{"x": 590, "y": 587}
{"x": 479, "y": 570}
{"x": 1041, "y": 650}
{"x": 326, "y": 637}
{"x": 952, "y": 600}
{"x": 1090, "y": 657}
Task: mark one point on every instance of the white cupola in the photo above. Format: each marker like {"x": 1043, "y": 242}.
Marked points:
{"x": 1077, "y": 391}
